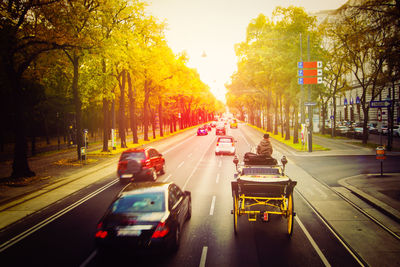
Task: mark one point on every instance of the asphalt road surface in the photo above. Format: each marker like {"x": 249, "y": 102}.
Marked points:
{"x": 63, "y": 233}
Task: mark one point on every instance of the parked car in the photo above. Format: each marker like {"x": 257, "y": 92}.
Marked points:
{"x": 342, "y": 130}
{"x": 372, "y": 127}
{"x": 138, "y": 163}
{"x": 396, "y": 130}
{"x": 202, "y": 131}
{"x": 144, "y": 217}
{"x": 225, "y": 145}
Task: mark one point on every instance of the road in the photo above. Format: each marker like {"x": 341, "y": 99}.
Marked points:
{"x": 63, "y": 233}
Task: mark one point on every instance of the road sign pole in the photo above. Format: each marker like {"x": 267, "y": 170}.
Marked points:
{"x": 309, "y": 100}
{"x": 302, "y": 87}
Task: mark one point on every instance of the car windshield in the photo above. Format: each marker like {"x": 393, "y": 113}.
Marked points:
{"x": 148, "y": 202}
{"x": 133, "y": 156}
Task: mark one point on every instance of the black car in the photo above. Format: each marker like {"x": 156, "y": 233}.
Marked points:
{"x": 146, "y": 216}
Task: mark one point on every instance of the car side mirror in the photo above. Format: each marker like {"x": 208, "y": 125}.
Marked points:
{"x": 160, "y": 155}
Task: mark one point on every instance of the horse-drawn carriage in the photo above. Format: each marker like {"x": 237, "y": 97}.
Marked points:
{"x": 261, "y": 188}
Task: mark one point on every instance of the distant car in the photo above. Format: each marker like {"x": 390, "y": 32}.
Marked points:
{"x": 207, "y": 127}
{"x": 342, "y": 130}
{"x": 372, "y": 128}
{"x": 144, "y": 217}
{"x": 213, "y": 124}
{"x": 202, "y": 131}
{"x": 220, "y": 130}
{"x": 225, "y": 145}
{"x": 138, "y": 163}
{"x": 396, "y": 130}
{"x": 234, "y": 124}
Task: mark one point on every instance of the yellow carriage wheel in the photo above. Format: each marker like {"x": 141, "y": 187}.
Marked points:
{"x": 235, "y": 214}
{"x": 290, "y": 214}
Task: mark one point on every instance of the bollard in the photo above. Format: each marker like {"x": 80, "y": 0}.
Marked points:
{"x": 380, "y": 154}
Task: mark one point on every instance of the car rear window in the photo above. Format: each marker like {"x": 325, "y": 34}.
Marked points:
{"x": 147, "y": 202}
{"x": 225, "y": 140}
{"x": 133, "y": 156}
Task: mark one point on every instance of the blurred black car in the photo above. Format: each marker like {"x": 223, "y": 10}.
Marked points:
{"x": 144, "y": 217}
{"x": 140, "y": 163}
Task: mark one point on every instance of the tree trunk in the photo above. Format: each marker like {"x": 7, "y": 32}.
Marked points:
{"x": 132, "y": 108}
{"x": 146, "y": 112}
{"x": 287, "y": 120}
{"x": 160, "y": 116}
{"x": 106, "y": 128}
{"x": 77, "y": 103}
{"x": 122, "y": 82}
{"x": 281, "y": 116}
{"x": 296, "y": 125}
{"x": 276, "y": 116}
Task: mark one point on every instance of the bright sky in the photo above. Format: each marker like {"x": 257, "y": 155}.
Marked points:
{"x": 214, "y": 26}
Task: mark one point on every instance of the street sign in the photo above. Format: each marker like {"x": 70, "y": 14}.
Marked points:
{"x": 312, "y": 72}
{"x": 310, "y": 80}
{"x": 309, "y": 65}
{"x": 380, "y": 104}
{"x": 379, "y": 114}
{"x": 310, "y": 104}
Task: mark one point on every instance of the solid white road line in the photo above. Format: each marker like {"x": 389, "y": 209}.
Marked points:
{"x": 203, "y": 257}
{"x": 217, "y": 178}
{"x": 212, "y": 206}
{"x": 89, "y": 259}
{"x": 315, "y": 246}
{"x": 180, "y": 165}
{"x": 43, "y": 223}
{"x": 169, "y": 176}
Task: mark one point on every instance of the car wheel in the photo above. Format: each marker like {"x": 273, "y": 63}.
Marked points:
{"x": 177, "y": 239}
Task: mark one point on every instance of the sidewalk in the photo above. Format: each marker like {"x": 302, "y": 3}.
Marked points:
{"x": 54, "y": 182}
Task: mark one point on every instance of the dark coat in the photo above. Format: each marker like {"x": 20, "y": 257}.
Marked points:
{"x": 264, "y": 147}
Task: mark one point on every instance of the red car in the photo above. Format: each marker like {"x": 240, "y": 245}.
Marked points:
{"x": 140, "y": 163}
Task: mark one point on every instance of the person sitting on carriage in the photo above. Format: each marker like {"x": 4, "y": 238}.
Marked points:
{"x": 264, "y": 147}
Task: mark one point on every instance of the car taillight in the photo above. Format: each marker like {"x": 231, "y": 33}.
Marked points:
{"x": 161, "y": 230}
{"x": 122, "y": 166}
{"x": 101, "y": 234}
{"x": 145, "y": 163}
{"x": 217, "y": 144}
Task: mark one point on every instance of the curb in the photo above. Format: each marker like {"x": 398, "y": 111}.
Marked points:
{"x": 386, "y": 209}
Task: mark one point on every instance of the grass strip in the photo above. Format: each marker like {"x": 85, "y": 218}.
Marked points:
{"x": 298, "y": 146}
